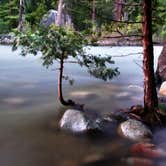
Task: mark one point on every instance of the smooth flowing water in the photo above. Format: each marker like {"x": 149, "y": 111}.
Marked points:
{"x": 29, "y": 109}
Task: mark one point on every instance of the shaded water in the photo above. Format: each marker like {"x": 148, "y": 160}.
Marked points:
{"x": 29, "y": 109}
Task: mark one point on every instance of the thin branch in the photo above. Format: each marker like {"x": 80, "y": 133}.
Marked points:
{"x": 124, "y": 36}
{"x": 138, "y": 64}
{"x": 127, "y": 22}
{"x": 128, "y": 4}
{"x": 124, "y": 55}
{"x": 70, "y": 62}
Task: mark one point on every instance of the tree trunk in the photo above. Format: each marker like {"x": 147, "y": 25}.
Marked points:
{"x": 20, "y": 21}
{"x": 150, "y": 94}
{"x": 93, "y": 16}
{"x": 93, "y": 11}
{"x": 118, "y": 12}
{"x": 58, "y": 20}
{"x": 60, "y": 94}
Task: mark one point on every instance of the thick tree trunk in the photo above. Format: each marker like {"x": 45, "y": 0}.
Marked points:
{"x": 150, "y": 94}
{"x": 20, "y": 21}
{"x": 58, "y": 20}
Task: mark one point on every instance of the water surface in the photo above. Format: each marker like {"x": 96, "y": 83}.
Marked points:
{"x": 29, "y": 109}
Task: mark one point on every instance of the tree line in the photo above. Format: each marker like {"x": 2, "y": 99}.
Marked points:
{"x": 96, "y": 17}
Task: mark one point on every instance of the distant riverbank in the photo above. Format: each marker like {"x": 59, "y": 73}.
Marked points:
{"x": 8, "y": 39}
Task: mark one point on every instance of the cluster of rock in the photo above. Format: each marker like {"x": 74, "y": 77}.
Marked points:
{"x": 77, "y": 121}
{"x": 6, "y": 39}
{"x": 140, "y": 152}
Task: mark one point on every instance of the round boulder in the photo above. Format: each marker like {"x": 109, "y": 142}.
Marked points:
{"x": 134, "y": 130}
{"x": 77, "y": 122}
{"x": 162, "y": 90}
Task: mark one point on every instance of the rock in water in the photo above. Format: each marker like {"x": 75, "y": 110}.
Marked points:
{"x": 162, "y": 90}
{"x": 77, "y": 122}
{"x": 135, "y": 130}
{"x": 161, "y": 67}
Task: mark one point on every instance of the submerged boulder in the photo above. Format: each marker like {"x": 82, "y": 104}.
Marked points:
{"x": 77, "y": 122}
{"x": 134, "y": 130}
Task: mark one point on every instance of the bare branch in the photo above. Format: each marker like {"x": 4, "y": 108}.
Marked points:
{"x": 128, "y": 4}
{"x": 127, "y": 22}
{"x": 124, "y": 36}
{"x": 70, "y": 62}
{"x": 138, "y": 64}
{"x": 139, "y": 53}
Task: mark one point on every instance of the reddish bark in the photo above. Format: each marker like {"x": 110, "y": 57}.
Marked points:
{"x": 150, "y": 94}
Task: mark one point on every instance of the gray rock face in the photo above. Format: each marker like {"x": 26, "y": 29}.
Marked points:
{"x": 77, "y": 122}
{"x": 161, "y": 68}
{"x": 134, "y": 130}
{"x": 50, "y": 18}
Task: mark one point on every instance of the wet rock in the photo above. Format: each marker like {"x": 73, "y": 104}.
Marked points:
{"x": 162, "y": 90}
{"x": 77, "y": 122}
{"x": 93, "y": 158}
{"x": 147, "y": 150}
{"x": 137, "y": 161}
{"x": 134, "y": 130}
{"x": 107, "y": 125}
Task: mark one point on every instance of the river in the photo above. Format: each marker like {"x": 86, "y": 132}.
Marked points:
{"x": 29, "y": 109}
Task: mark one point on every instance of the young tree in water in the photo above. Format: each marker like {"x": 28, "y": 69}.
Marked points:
{"x": 59, "y": 43}
{"x": 150, "y": 94}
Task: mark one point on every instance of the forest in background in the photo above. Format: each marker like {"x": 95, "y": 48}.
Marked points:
{"x": 98, "y": 18}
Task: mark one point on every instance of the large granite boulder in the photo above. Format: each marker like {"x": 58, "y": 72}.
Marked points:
{"x": 135, "y": 130}
{"x": 50, "y": 18}
{"x": 161, "y": 68}
{"x": 162, "y": 90}
{"x": 77, "y": 122}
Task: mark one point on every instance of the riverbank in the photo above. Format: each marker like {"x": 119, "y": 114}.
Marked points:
{"x": 109, "y": 40}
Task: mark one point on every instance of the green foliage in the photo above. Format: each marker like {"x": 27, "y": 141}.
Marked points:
{"x": 60, "y": 43}
{"x": 8, "y": 16}
{"x": 98, "y": 66}
{"x": 159, "y": 19}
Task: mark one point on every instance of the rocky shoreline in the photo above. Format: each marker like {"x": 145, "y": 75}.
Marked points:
{"x": 7, "y": 39}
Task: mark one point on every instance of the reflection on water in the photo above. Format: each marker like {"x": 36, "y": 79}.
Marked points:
{"x": 29, "y": 110}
